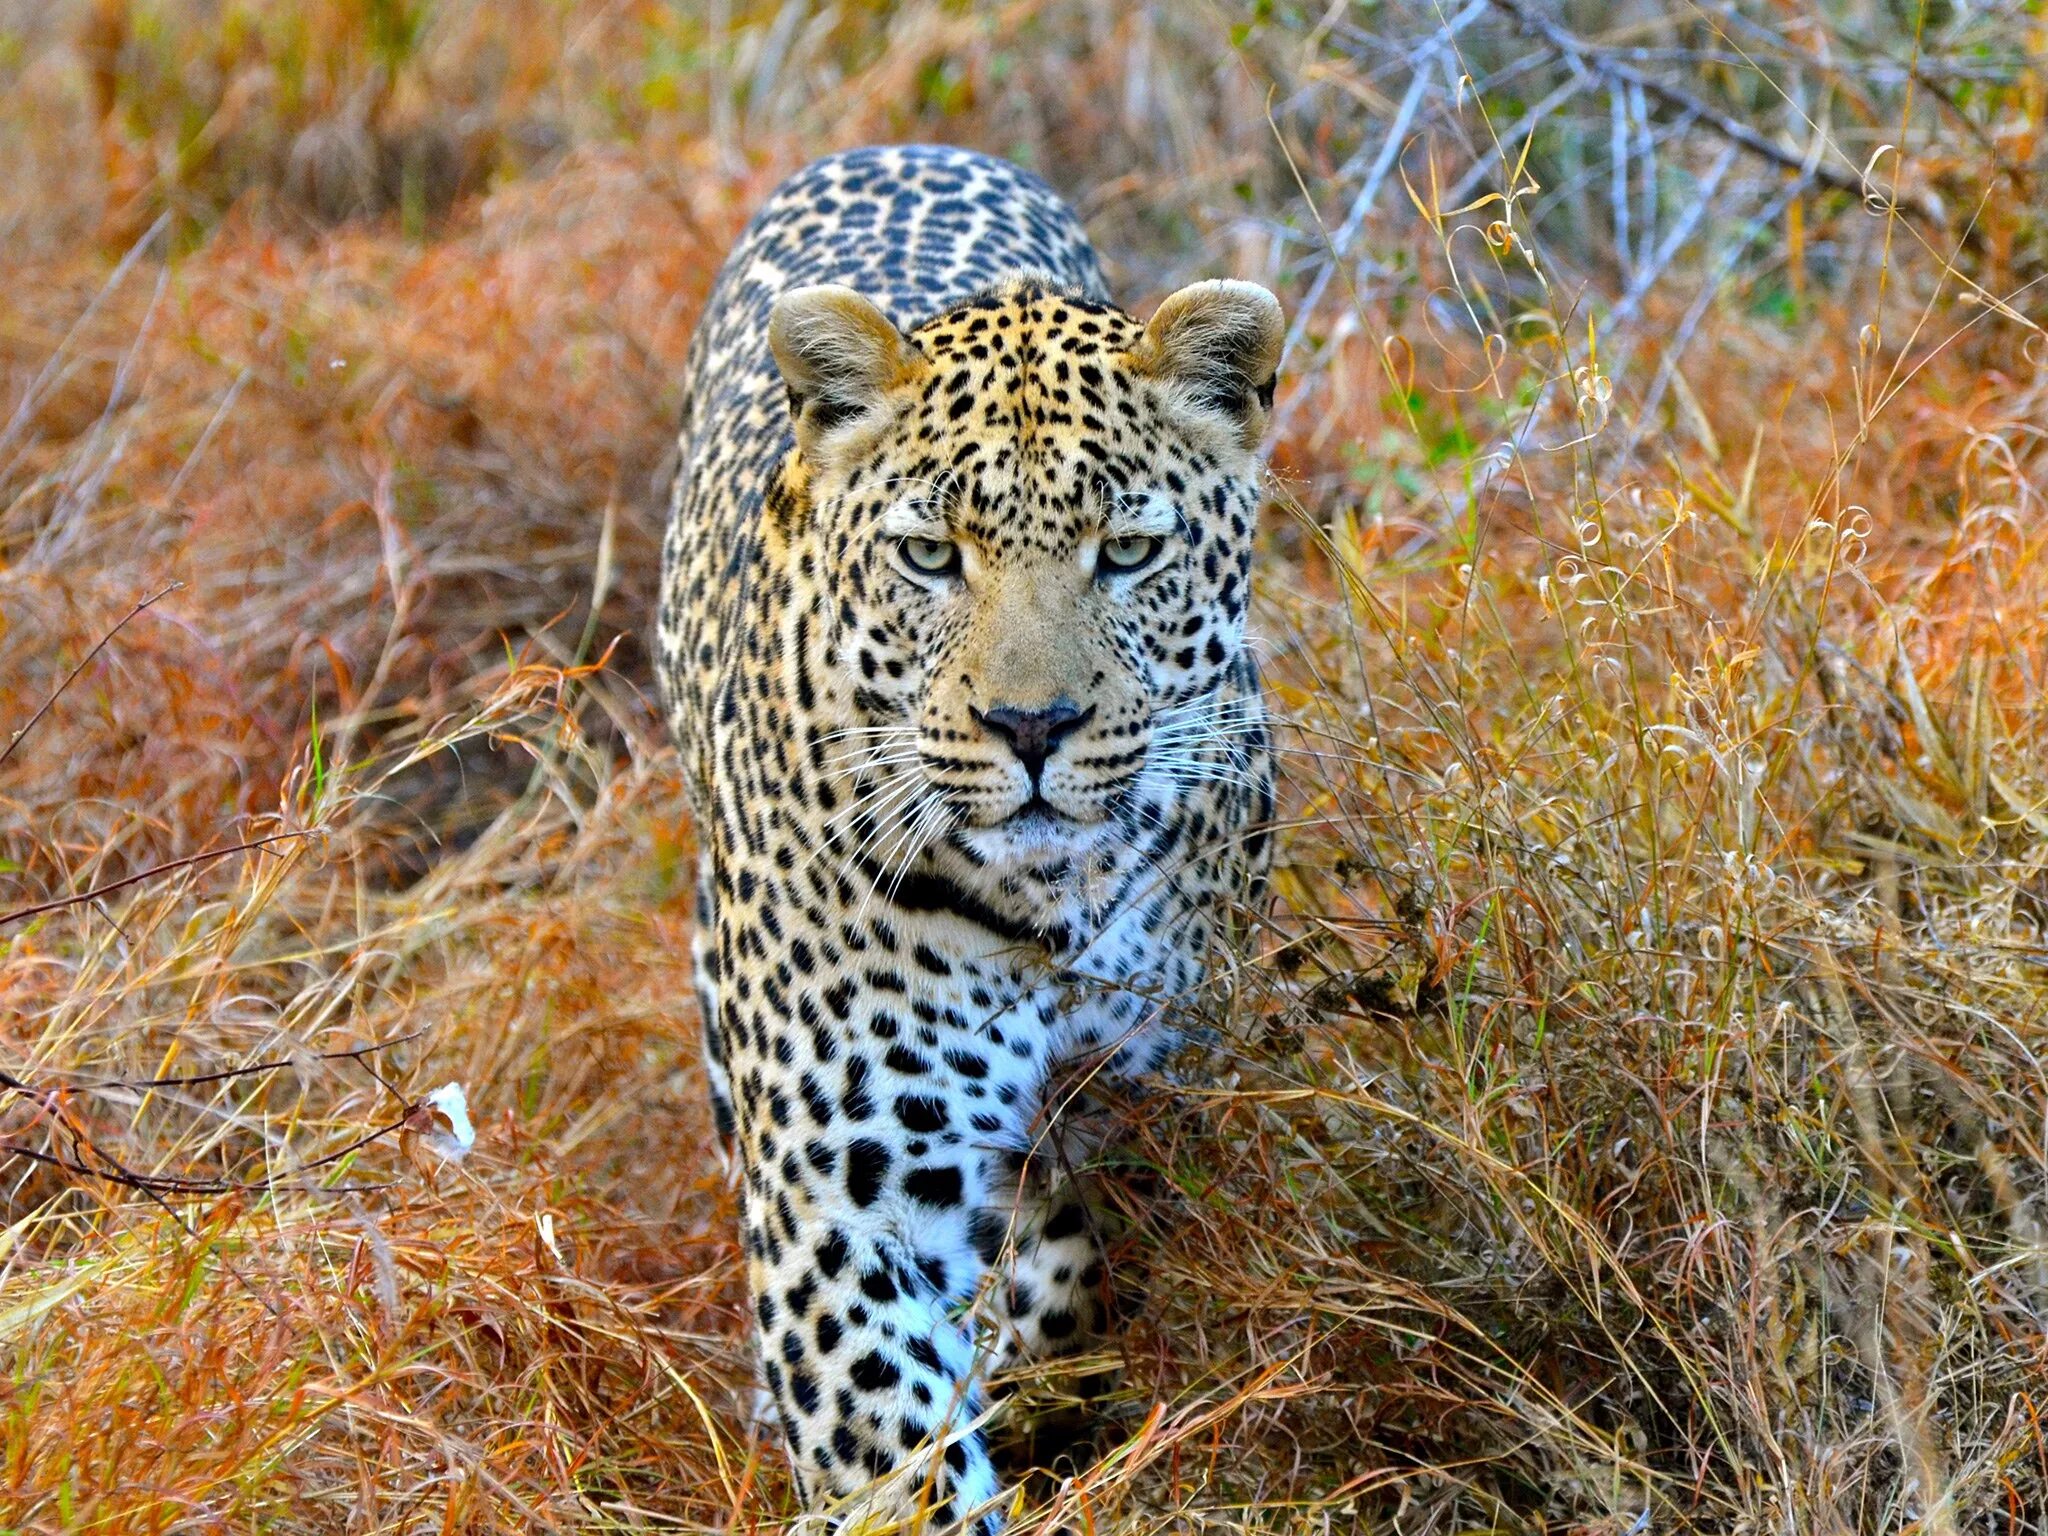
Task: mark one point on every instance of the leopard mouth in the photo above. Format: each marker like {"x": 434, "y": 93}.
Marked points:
{"x": 1036, "y": 813}
{"x": 1040, "y": 820}
{"x": 1036, "y": 833}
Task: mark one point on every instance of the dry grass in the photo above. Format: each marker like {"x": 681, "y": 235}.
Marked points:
{"x": 1632, "y": 1117}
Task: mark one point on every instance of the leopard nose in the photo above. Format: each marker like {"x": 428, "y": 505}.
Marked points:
{"x": 1033, "y": 734}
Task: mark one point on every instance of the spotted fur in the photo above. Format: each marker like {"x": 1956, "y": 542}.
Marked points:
{"x": 968, "y": 830}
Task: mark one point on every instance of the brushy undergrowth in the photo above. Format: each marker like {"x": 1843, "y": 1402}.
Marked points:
{"x": 1632, "y": 1113}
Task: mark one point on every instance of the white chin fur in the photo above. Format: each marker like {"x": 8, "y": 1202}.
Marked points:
{"x": 1034, "y": 840}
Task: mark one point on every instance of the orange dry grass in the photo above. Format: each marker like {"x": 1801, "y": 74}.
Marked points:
{"x": 1630, "y": 1115}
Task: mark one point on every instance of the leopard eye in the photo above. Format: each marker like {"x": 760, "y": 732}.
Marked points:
{"x": 1120, "y": 557}
{"x": 931, "y": 557}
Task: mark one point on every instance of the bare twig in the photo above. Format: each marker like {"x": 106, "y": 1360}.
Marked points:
{"x": 72, "y": 676}
{"x": 1673, "y": 241}
{"x": 115, "y": 1172}
{"x": 226, "y": 1074}
{"x": 19, "y": 914}
{"x": 1390, "y": 148}
{"x": 1466, "y": 185}
{"x": 1682, "y": 337}
{"x": 1602, "y": 61}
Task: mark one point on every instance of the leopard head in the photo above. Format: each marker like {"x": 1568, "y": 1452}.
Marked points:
{"x": 1032, "y": 518}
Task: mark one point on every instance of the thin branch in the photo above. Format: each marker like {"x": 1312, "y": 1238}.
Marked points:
{"x": 114, "y": 1172}
{"x": 1423, "y": 60}
{"x": 1603, "y": 61}
{"x": 16, "y": 739}
{"x": 200, "y": 1079}
{"x": 21, "y": 913}
{"x": 1682, "y": 337}
{"x": 1647, "y": 276}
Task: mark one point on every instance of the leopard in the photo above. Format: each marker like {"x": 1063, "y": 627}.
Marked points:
{"x": 952, "y": 642}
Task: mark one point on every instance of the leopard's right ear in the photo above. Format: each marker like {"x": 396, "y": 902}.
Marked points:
{"x": 839, "y": 355}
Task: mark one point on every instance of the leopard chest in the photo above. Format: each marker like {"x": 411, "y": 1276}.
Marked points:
{"x": 843, "y": 1016}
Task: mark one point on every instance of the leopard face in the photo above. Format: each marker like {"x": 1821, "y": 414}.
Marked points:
{"x": 1037, "y": 515}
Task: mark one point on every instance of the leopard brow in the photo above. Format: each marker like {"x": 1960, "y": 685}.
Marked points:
{"x": 922, "y": 514}
{"x": 1135, "y": 514}
{"x": 915, "y": 518}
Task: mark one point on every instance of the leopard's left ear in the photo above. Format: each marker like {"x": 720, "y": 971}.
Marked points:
{"x": 1219, "y": 342}
{"x": 838, "y": 354}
